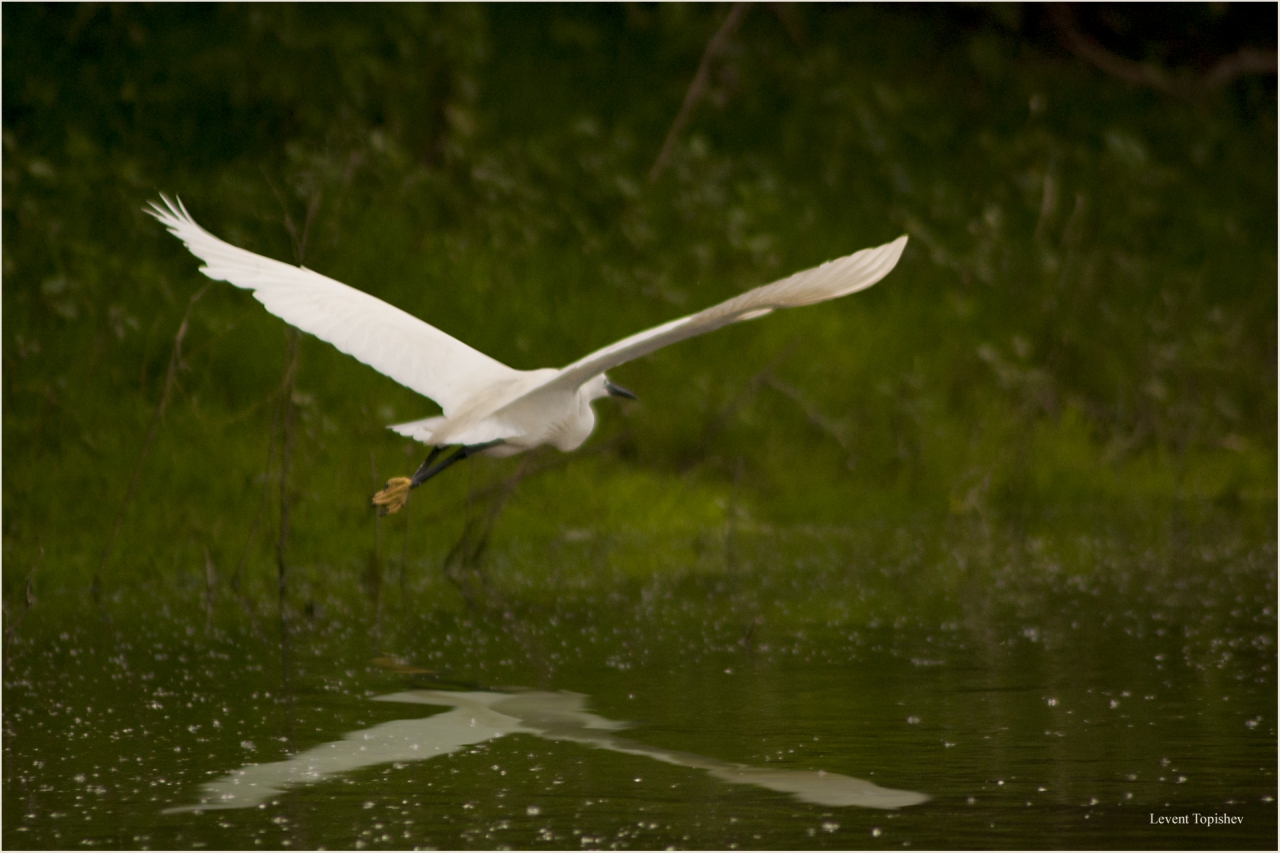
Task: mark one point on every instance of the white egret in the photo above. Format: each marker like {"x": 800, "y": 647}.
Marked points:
{"x": 488, "y": 407}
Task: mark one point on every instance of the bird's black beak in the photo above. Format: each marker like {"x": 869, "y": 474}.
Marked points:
{"x": 618, "y": 391}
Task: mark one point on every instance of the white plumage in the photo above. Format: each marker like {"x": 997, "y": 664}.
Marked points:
{"x": 488, "y": 407}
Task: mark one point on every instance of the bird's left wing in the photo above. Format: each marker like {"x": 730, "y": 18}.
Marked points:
{"x": 830, "y": 280}
{"x": 413, "y": 353}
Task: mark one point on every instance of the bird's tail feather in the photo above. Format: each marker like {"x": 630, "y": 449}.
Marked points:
{"x": 440, "y": 430}
{"x": 421, "y": 430}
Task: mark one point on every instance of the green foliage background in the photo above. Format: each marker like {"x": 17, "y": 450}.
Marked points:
{"x": 1082, "y": 331}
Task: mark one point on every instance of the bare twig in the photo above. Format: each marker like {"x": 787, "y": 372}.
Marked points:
{"x": 1089, "y": 49}
{"x": 11, "y": 630}
{"x": 377, "y": 519}
{"x": 267, "y": 482}
{"x": 699, "y": 85}
{"x": 286, "y": 448}
{"x": 300, "y": 240}
{"x": 811, "y": 411}
{"x": 175, "y": 363}
{"x": 282, "y": 575}
{"x": 748, "y": 390}
{"x": 498, "y": 486}
{"x": 290, "y": 379}
{"x": 266, "y": 492}
{"x": 465, "y": 555}
{"x": 791, "y": 22}
{"x": 210, "y": 588}
{"x": 731, "y": 522}
{"x": 1247, "y": 60}
{"x": 373, "y": 570}
{"x": 404, "y": 550}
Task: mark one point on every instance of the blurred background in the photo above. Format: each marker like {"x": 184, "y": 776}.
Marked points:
{"x": 1083, "y": 324}
{"x": 1030, "y": 474}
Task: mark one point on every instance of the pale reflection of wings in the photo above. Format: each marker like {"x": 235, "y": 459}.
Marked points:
{"x": 477, "y": 717}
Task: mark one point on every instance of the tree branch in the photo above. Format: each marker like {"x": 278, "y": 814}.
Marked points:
{"x": 1247, "y": 60}
{"x": 175, "y": 363}
{"x": 698, "y": 86}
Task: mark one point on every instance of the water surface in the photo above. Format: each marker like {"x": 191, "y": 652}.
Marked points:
{"x": 758, "y": 707}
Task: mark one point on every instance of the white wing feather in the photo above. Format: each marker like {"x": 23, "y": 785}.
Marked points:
{"x": 413, "y": 353}
{"x": 830, "y": 280}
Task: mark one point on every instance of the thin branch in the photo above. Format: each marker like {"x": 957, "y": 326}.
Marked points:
{"x": 748, "y": 390}
{"x": 699, "y": 85}
{"x": 404, "y": 550}
{"x": 210, "y": 589}
{"x": 1089, "y": 49}
{"x": 286, "y": 448}
{"x": 175, "y": 362}
{"x": 373, "y": 571}
{"x": 811, "y": 411}
{"x": 300, "y": 240}
{"x": 465, "y": 555}
{"x": 290, "y": 379}
{"x": 11, "y": 630}
{"x": 1247, "y": 60}
{"x": 500, "y": 485}
{"x": 262, "y": 504}
{"x": 791, "y": 22}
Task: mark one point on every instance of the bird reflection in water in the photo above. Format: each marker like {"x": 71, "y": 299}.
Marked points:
{"x": 476, "y": 717}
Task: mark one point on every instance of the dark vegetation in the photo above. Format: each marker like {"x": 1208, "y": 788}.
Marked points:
{"x": 1081, "y": 333}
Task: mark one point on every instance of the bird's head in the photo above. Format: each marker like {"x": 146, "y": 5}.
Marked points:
{"x": 600, "y": 386}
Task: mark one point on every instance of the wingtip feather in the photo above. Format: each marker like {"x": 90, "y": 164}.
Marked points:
{"x": 901, "y": 246}
{"x": 173, "y": 214}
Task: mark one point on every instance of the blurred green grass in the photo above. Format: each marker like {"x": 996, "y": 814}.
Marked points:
{"x": 1082, "y": 329}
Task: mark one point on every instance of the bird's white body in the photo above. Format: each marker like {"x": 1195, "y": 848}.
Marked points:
{"x": 522, "y": 413}
{"x": 486, "y": 402}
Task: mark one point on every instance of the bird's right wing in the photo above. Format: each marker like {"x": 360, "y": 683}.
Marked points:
{"x": 413, "y": 353}
{"x": 830, "y": 280}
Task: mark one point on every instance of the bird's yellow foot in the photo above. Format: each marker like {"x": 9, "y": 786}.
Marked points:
{"x": 394, "y": 496}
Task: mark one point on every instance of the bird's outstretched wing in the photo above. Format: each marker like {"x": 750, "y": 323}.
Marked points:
{"x": 834, "y": 278}
{"x": 411, "y": 352}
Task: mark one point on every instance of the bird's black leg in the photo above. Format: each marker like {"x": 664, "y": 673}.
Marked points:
{"x": 431, "y": 457}
{"x": 427, "y": 471}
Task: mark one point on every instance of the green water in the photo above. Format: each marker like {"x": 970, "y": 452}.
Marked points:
{"x": 1057, "y": 694}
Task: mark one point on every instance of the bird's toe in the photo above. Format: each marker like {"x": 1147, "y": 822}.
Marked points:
{"x": 394, "y": 496}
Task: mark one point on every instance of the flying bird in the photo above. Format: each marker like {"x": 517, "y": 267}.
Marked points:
{"x": 487, "y": 407}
